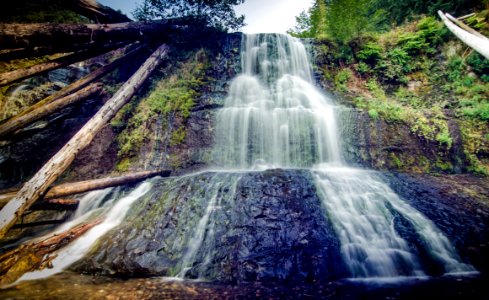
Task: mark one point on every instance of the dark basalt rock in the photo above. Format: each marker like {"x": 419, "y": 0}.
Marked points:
{"x": 457, "y": 204}
{"x": 264, "y": 226}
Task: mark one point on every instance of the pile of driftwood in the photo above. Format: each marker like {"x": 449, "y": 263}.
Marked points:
{"x": 83, "y": 41}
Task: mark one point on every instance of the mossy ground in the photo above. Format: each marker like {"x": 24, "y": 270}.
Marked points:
{"x": 172, "y": 95}
{"x": 418, "y": 75}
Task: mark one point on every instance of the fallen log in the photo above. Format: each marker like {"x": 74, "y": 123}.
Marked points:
{"x": 20, "y": 74}
{"x": 67, "y": 189}
{"x": 96, "y": 11}
{"x": 19, "y": 121}
{"x": 45, "y": 34}
{"x": 26, "y": 52}
{"x": 36, "y": 255}
{"x": 37, "y": 185}
{"x": 38, "y": 223}
{"x": 82, "y": 82}
{"x": 464, "y": 26}
{"x": 72, "y": 188}
{"x": 56, "y": 204}
{"x": 479, "y": 44}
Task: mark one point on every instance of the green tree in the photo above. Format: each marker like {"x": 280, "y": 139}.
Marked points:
{"x": 340, "y": 20}
{"x": 311, "y": 24}
{"x": 400, "y": 11}
{"x": 347, "y": 19}
{"x": 216, "y": 13}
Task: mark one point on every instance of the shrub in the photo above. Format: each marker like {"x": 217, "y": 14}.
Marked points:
{"x": 370, "y": 53}
{"x": 393, "y": 66}
{"x": 363, "y": 68}
{"x": 480, "y": 111}
{"x": 342, "y": 78}
{"x": 373, "y": 114}
{"x": 433, "y": 31}
{"x": 479, "y": 65}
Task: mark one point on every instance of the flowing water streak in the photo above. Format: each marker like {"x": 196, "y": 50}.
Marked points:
{"x": 275, "y": 117}
{"x": 221, "y": 188}
{"x": 358, "y": 201}
{"x": 77, "y": 249}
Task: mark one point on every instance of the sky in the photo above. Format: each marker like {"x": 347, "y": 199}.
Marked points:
{"x": 261, "y": 15}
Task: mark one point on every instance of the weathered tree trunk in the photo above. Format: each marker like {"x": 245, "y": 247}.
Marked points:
{"x": 16, "y": 75}
{"x": 82, "y": 82}
{"x": 56, "y": 204}
{"x": 95, "y": 11}
{"x": 479, "y": 44}
{"x": 35, "y": 256}
{"x": 20, "y": 121}
{"x": 39, "y": 223}
{"x": 67, "y": 189}
{"x": 464, "y": 26}
{"x": 6, "y": 197}
{"x": 43, "y": 34}
{"x": 71, "y": 188}
{"x": 37, "y": 186}
{"x": 26, "y": 52}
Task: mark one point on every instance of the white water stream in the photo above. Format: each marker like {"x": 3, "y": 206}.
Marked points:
{"x": 274, "y": 117}
{"x": 112, "y": 211}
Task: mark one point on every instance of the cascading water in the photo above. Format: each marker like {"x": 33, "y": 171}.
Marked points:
{"x": 275, "y": 117}
{"x": 221, "y": 188}
{"x": 111, "y": 211}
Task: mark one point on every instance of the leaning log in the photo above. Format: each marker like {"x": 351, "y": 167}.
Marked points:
{"x": 36, "y": 255}
{"x": 72, "y": 188}
{"x": 20, "y": 121}
{"x": 82, "y": 82}
{"x": 56, "y": 204}
{"x": 45, "y": 34}
{"x": 477, "y": 43}
{"x": 464, "y": 26}
{"x": 16, "y": 75}
{"x": 27, "y": 52}
{"x": 67, "y": 189}
{"x": 96, "y": 11}
{"x": 37, "y": 186}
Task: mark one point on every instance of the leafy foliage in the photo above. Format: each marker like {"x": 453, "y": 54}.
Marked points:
{"x": 347, "y": 19}
{"x": 417, "y": 75}
{"x": 340, "y": 20}
{"x": 400, "y": 11}
{"x": 215, "y": 13}
{"x": 40, "y": 11}
{"x": 171, "y": 96}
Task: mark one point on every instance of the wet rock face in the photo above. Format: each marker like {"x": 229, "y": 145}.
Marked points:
{"x": 196, "y": 151}
{"x": 266, "y": 226}
{"x": 382, "y": 145}
{"x": 457, "y": 204}
{"x": 23, "y": 155}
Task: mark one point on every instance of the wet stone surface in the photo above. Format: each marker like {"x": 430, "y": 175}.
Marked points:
{"x": 457, "y": 204}
{"x": 263, "y": 226}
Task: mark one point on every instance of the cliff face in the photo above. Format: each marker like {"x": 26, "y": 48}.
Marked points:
{"x": 170, "y": 125}
{"x": 383, "y": 145}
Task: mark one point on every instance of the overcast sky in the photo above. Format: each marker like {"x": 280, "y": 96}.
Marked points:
{"x": 261, "y": 15}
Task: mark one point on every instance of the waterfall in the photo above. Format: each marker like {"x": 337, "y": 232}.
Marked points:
{"x": 275, "y": 117}
{"x": 221, "y": 188}
{"x": 96, "y": 204}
